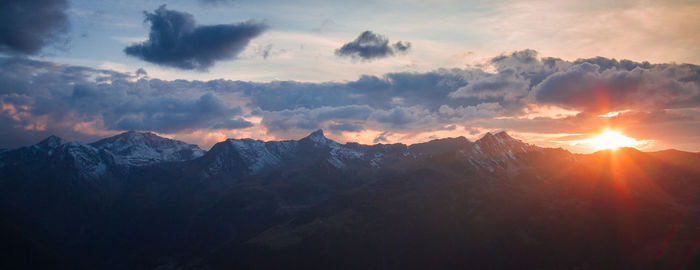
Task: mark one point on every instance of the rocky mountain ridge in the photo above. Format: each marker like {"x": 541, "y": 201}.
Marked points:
{"x": 138, "y": 201}
{"x": 242, "y": 157}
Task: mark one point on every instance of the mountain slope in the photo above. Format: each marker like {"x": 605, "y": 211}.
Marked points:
{"x": 495, "y": 203}
{"x": 66, "y": 159}
{"x": 558, "y": 213}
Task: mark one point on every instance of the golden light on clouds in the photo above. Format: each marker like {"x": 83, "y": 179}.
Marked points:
{"x": 533, "y": 111}
{"x": 613, "y": 114}
{"x": 550, "y": 111}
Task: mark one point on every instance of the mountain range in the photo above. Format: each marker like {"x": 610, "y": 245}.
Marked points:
{"x": 140, "y": 201}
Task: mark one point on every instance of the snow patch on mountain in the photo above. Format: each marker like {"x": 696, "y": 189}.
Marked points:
{"x": 85, "y": 157}
{"x": 319, "y": 139}
{"x": 376, "y": 160}
{"x": 258, "y": 154}
{"x": 83, "y": 160}
{"x": 51, "y": 142}
{"x": 145, "y": 148}
{"x": 496, "y": 152}
{"x": 340, "y": 153}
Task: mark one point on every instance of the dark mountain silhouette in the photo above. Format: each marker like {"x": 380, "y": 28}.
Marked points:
{"x": 139, "y": 201}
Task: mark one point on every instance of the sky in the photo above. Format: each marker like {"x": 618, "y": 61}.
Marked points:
{"x": 551, "y": 73}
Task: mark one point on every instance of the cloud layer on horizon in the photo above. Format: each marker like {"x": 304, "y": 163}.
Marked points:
{"x": 41, "y": 98}
{"x": 175, "y": 40}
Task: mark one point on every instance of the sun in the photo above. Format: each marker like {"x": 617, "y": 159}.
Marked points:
{"x": 611, "y": 139}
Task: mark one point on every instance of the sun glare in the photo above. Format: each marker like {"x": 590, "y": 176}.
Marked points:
{"x": 610, "y": 139}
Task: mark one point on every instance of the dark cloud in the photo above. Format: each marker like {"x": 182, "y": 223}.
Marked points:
{"x": 369, "y": 46}
{"x": 312, "y": 119}
{"x": 586, "y": 86}
{"x": 505, "y": 84}
{"x": 526, "y": 64}
{"x": 523, "y": 57}
{"x": 464, "y": 113}
{"x": 606, "y": 64}
{"x": 348, "y": 118}
{"x": 345, "y": 126}
{"x": 41, "y": 98}
{"x": 141, "y": 72}
{"x": 428, "y": 89}
{"x": 26, "y": 26}
{"x": 404, "y": 118}
{"x": 176, "y": 41}
{"x": 381, "y": 137}
{"x": 171, "y": 115}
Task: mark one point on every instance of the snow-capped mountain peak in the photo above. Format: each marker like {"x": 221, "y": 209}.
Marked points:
{"x": 503, "y": 136}
{"x": 237, "y": 158}
{"x": 317, "y": 134}
{"x": 501, "y": 145}
{"x": 145, "y": 148}
{"x": 500, "y": 138}
{"x": 319, "y": 139}
{"x": 52, "y": 141}
{"x": 76, "y": 159}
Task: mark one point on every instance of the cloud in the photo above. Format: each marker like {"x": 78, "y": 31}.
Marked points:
{"x": 462, "y": 113}
{"x": 26, "y": 26}
{"x": 527, "y": 65}
{"x": 429, "y": 89}
{"x": 607, "y": 63}
{"x": 345, "y": 126}
{"x": 404, "y": 118}
{"x": 171, "y": 115}
{"x": 141, "y": 72}
{"x": 348, "y": 118}
{"x": 382, "y": 137}
{"x": 39, "y": 98}
{"x": 176, "y": 41}
{"x": 311, "y": 119}
{"x": 42, "y": 98}
{"x": 505, "y": 84}
{"x": 585, "y": 87}
{"x": 516, "y": 59}
{"x": 369, "y": 46}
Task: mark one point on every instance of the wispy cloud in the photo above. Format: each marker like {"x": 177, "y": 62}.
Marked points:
{"x": 130, "y": 40}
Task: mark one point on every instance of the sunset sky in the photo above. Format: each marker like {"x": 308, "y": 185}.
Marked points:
{"x": 552, "y": 73}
